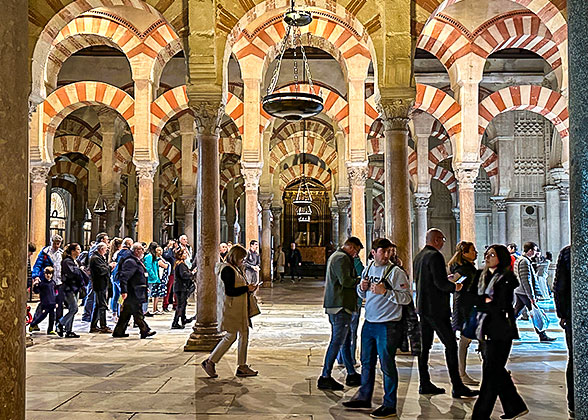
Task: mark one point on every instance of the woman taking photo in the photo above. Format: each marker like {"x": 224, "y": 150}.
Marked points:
{"x": 182, "y": 286}
{"x": 496, "y": 330}
{"x": 73, "y": 279}
{"x": 235, "y": 313}
{"x": 462, "y": 267}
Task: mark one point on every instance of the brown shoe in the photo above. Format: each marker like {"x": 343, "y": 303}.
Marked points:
{"x": 245, "y": 370}
{"x": 105, "y": 330}
{"x": 209, "y": 368}
{"x": 95, "y": 330}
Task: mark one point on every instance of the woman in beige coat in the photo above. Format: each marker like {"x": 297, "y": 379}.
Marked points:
{"x": 235, "y": 313}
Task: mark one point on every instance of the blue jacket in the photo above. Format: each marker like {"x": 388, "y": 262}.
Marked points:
{"x": 121, "y": 256}
{"x": 133, "y": 280}
{"x": 43, "y": 260}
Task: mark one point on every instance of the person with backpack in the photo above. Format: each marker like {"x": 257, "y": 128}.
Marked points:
{"x": 386, "y": 289}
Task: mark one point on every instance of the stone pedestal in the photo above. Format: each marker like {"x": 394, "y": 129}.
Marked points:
{"x": 357, "y": 178}
{"x": 421, "y": 204}
{"x": 38, "y": 227}
{"x": 14, "y": 173}
{"x": 145, "y": 172}
{"x": 251, "y": 172}
{"x": 466, "y": 174}
{"x": 266, "y": 239}
{"x": 205, "y": 334}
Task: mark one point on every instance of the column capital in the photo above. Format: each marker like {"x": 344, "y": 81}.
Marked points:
{"x": 208, "y": 113}
{"x": 466, "y": 174}
{"x": 266, "y": 201}
{"x": 251, "y": 171}
{"x": 456, "y": 213}
{"x": 146, "y": 170}
{"x": 358, "y": 172}
{"x": 40, "y": 173}
{"x": 499, "y": 202}
{"x": 422, "y": 200}
{"x": 189, "y": 203}
{"x": 112, "y": 201}
{"x": 394, "y": 112}
{"x": 562, "y": 181}
{"x": 276, "y": 211}
{"x": 343, "y": 201}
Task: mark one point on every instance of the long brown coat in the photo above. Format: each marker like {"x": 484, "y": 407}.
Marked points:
{"x": 234, "y": 314}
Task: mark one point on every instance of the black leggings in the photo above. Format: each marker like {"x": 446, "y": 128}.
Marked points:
{"x": 182, "y": 299}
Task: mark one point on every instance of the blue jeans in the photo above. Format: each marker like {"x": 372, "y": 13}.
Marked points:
{"x": 379, "y": 340}
{"x": 351, "y": 340}
{"x": 340, "y": 328}
{"x": 89, "y": 304}
{"x": 114, "y": 305}
{"x": 71, "y": 299}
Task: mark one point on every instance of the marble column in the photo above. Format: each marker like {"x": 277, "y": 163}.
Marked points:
{"x": 369, "y": 213}
{"x": 466, "y": 174}
{"x": 357, "y": 178}
{"x": 457, "y": 215}
{"x": 38, "y": 227}
{"x": 335, "y": 225}
{"x": 230, "y": 213}
{"x": 277, "y": 226}
{"x": 266, "y": 239}
{"x": 421, "y": 204}
{"x": 513, "y": 223}
{"x": 251, "y": 172}
{"x": 578, "y": 185}
{"x": 500, "y": 223}
{"x": 564, "y": 211}
{"x": 208, "y": 115}
{"x": 343, "y": 202}
{"x": 14, "y": 183}
{"x": 145, "y": 172}
{"x": 396, "y": 181}
{"x": 552, "y": 214}
{"x": 189, "y": 203}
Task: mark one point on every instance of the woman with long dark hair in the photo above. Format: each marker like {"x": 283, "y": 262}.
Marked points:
{"x": 73, "y": 279}
{"x": 463, "y": 269}
{"x": 496, "y": 330}
{"x": 181, "y": 288}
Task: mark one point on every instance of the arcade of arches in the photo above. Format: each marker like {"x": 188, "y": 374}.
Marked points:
{"x": 145, "y": 121}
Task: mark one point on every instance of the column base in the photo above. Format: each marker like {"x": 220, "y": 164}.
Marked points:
{"x": 205, "y": 337}
{"x": 29, "y": 340}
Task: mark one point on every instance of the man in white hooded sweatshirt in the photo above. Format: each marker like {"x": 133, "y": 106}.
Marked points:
{"x": 386, "y": 288}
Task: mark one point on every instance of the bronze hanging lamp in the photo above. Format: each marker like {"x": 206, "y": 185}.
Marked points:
{"x": 303, "y": 197}
{"x": 294, "y": 105}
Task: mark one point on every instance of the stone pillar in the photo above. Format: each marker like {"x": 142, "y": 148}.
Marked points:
{"x": 513, "y": 223}
{"x": 277, "y": 226}
{"x": 396, "y": 181}
{"x": 343, "y": 202}
{"x": 335, "y": 225}
{"x": 457, "y": 216}
{"x": 552, "y": 214}
{"x": 500, "y": 223}
{"x": 266, "y": 239}
{"x": 564, "y": 212}
{"x": 578, "y": 152}
{"x": 251, "y": 172}
{"x": 38, "y": 227}
{"x": 466, "y": 174}
{"x": 14, "y": 173}
{"x": 357, "y": 177}
{"x": 230, "y": 213}
{"x": 145, "y": 172}
{"x": 369, "y": 213}
{"x": 205, "y": 334}
{"x": 189, "y": 203}
{"x": 112, "y": 215}
{"x": 421, "y": 204}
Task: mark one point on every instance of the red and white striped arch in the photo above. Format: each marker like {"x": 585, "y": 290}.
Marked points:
{"x": 317, "y": 126}
{"x": 441, "y": 106}
{"x": 445, "y": 41}
{"x": 376, "y": 173}
{"x": 65, "y": 167}
{"x": 447, "y": 178}
{"x": 165, "y": 107}
{"x": 314, "y": 145}
{"x": 228, "y": 174}
{"x": 68, "y": 98}
{"x": 230, "y": 145}
{"x": 123, "y": 156}
{"x": 538, "y": 99}
{"x": 77, "y": 144}
{"x": 171, "y": 153}
{"x": 234, "y": 109}
{"x": 294, "y": 173}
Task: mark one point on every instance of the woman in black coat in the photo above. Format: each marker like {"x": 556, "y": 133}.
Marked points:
{"x": 73, "y": 279}
{"x": 462, "y": 267}
{"x": 183, "y": 286}
{"x": 496, "y": 330}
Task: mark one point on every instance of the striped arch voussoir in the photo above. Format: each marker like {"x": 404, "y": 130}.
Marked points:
{"x": 293, "y": 173}
{"x": 314, "y": 145}
{"x": 70, "y": 168}
{"x": 166, "y": 106}
{"x": 81, "y": 145}
{"x": 441, "y": 106}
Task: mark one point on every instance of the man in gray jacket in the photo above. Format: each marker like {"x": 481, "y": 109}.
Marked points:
{"x": 340, "y": 302}
{"x": 525, "y": 293}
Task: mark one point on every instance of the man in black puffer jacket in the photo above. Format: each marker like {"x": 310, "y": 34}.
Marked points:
{"x": 133, "y": 290}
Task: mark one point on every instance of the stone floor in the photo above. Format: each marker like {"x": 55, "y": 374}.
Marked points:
{"x": 97, "y": 377}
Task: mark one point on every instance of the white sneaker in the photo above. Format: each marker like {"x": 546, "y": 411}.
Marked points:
{"x": 467, "y": 380}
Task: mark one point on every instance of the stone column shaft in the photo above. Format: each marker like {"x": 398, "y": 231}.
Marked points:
{"x": 145, "y": 172}
{"x": 357, "y": 179}
{"x": 206, "y": 335}
{"x": 421, "y": 203}
{"x": 500, "y": 225}
{"x": 266, "y": 240}
{"x": 335, "y": 225}
{"x": 277, "y": 226}
{"x": 466, "y": 175}
{"x": 552, "y": 213}
{"x": 231, "y": 214}
{"x": 14, "y": 183}
{"x": 513, "y": 223}
{"x": 251, "y": 172}
{"x": 343, "y": 203}
{"x": 189, "y": 203}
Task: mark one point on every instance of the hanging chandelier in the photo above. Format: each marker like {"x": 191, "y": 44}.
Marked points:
{"x": 304, "y": 214}
{"x": 100, "y": 205}
{"x": 303, "y": 197}
{"x": 294, "y": 105}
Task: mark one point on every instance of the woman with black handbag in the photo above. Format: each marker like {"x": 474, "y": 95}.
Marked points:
{"x": 496, "y": 330}
{"x": 74, "y": 280}
{"x": 238, "y": 308}
{"x": 463, "y": 318}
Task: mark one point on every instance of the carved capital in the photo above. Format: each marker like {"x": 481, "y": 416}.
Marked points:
{"x": 251, "y": 173}
{"x": 39, "y": 174}
{"x": 277, "y": 212}
{"x": 466, "y": 174}
{"x": 343, "y": 202}
{"x": 335, "y": 214}
{"x": 456, "y": 213}
{"x": 146, "y": 170}
{"x": 189, "y": 203}
{"x": 422, "y": 200}
{"x": 266, "y": 201}
{"x": 112, "y": 201}
{"x": 499, "y": 202}
{"x": 358, "y": 172}
{"x": 207, "y": 116}
{"x": 395, "y": 112}
{"x": 562, "y": 180}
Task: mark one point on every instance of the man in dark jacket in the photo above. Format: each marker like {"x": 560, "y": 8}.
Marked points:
{"x": 133, "y": 290}
{"x": 100, "y": 272}
{"x": 295, "y": 261}
{"x": 562, "y": 292}
{"x": 433, "y": 291}
{"x": 340, "y": 302}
